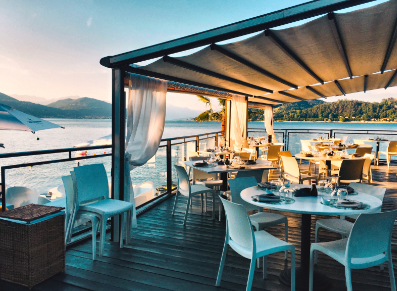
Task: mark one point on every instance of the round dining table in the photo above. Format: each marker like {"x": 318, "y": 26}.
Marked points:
{"x": 308, "y": 206}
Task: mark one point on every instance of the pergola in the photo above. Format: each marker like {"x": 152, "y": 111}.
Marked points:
{"x": 334, "y": 54}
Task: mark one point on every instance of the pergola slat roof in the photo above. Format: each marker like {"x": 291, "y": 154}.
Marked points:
{"x": 328, "y": 56}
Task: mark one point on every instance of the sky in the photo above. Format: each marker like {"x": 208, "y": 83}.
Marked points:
{"x": 51, "y": 49}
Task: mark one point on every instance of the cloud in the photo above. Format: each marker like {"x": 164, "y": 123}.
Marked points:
{"x": 89, "y": 21}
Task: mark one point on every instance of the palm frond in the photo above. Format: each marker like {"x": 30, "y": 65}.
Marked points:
{"x": 204, "y": 99}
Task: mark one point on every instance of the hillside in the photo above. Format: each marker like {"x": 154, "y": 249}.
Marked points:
{"x": 342, "y": 110}
{"x": 84, "y": 107}
{"x": 81, "y": 108}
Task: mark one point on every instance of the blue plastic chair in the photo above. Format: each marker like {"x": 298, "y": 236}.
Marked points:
{"x": 368, "y": 245}
{"x": 259, "y": 220}
{"x": 249, "y": 244}
{"x": 92, "y": 190}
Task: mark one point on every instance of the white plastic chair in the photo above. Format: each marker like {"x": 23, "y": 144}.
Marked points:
{"x": 20, "y": 196}
{"x": 342, "y": 226}
{"x": 292, "y": 172}
{"x": 188, "y": 190}
{"x": 249, "y": 244}
{"x": 391, "y": 151}
{"x": 92, "y": 189}
{"x": 261, "y": 219}
{"x": 368, "y": 245}
{"x": 69, "y": 206}
{"x": 367, "y": 171}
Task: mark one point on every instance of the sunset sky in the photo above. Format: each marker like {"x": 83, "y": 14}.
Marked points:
{"x": 51, "y": 49}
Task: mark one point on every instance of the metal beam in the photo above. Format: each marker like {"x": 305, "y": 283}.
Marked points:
{"x": 269, "y": 99}
{"x": 292, "y": 96}
{"x": 340, "y": 87}
{"x": 201, "y": 70}
{"x": 390, "y": 47}
{"x": 315, "y": 91}
{"x": 273, "y": 19}
{"x": 291, "y": 54}
{"x": 339, "y": 41}
{"x": 259, "y": 104}
{"x": 391, "y": 79}
{"x": 365, "y": 83}
{"x": 144, "y": 72}
{"x": 251, "y": 65}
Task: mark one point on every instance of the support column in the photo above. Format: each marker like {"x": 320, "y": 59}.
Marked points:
{"x": 118, "y": 143}
{"x": 246, "y": 120}
{"x": 228, "y": 121}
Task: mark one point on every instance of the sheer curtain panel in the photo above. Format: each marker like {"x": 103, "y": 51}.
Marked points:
{"x": 238, "y": 121}
{"x": 268, "y": 117}
{"x": 145, "y": 125}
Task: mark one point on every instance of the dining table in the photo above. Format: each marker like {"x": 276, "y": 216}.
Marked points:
{"x": 377, "y": 141}
{"x": 308, "y": 206}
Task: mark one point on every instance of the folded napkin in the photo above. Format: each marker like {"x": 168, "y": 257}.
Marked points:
{"x": 303, "y": 192}
{"x": 266, "y": 185}
{"x": 349, "y": 204}
{"x": 269, "y": 197}
{"x": 348, "y": 188}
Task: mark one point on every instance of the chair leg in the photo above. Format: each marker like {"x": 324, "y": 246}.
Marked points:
{"x": 213, "y": 205}
{"x": 128, "y": 227}
{"x": 94, "y": 232}
{"x": 348, "y": 279}
{"x": 122, "y": 219}
{"x": 316, "y": 241}
{"x": 265, "y": 267}
{"x": 205, "y": 202}
{"x": 103, "y": 234}
{"x": 187, "y": 208}
{"x": 312, "y": 254}
{"x": 391, "y": 273}
{"x": 222, "y": 264}
{"x": 293, "y": 270}
{"x": 251, "y": 274}
{"x": 286, "y": 236}
{"x": 202, "y": 203}
{"x": 176, "y": 199}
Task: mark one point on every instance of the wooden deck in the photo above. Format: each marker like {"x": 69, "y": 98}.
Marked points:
{"x": 167, "y": 256}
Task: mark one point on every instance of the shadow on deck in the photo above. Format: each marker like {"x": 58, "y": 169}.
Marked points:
{"x": 164, "y": 255}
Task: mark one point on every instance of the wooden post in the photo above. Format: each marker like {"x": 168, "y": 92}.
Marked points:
{"x": 228, "y": 120}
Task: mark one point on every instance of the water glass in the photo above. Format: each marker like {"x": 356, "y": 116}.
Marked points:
{"x": 342, "y": 193}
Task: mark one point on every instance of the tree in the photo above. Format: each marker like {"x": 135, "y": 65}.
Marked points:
{"x": 341, "y": 119}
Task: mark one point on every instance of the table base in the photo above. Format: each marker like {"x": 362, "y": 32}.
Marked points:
{"x": 320, "y": 281}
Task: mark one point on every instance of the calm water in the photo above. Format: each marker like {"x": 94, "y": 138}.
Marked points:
{"x": 78, "y": 131}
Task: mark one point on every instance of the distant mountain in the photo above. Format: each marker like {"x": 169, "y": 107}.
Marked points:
{"x": 40, "y": 100}
{"x": 84, "y": 107}
{"x": 79, "y": 108}
{"x": 175, "y": 112}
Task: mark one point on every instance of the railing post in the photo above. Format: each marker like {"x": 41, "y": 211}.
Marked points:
{"x": 330, "y": 133}
{"x": 197, "y": 143}
{"x": 216, "y": 139}
{"x": 169, "y": 167}
{"x": 3, "y": 189}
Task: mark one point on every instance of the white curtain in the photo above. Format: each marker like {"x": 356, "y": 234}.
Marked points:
{"x": 238, "y": 121}
{"x": 268, "y": 116}
{"x": 145, "y": 125}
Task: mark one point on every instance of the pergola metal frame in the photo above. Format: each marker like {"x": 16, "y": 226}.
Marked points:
{"x": 125, "y": 62}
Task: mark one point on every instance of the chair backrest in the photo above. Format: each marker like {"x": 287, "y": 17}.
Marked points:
{"x": 191, "y": 154}
{"x": 20, "y": 196}
{"x": 257, "y": 174}
{"x": 363, "y": 150}
{"x": 70, "y": 195}
{"x": 358, "y": 141}
{"x": 351, "y": 169}
{"x": 239, "y": 226}
{"x": 378, "y": 192}
{"x": 243, "y": 155}
{"x": 183, "y": 181}
{"x": 370, "y": 235}
{"x": 239, "y": 184}
{"x": 306, "y": 145}
{"x": 90, "y": 182}
{"x": 290, "y": 166}
{"x": 272, "y": 152}
{"x": 367, "y": 165}
{"x": 392, "y": 147}
{"x": 285, "y": 154}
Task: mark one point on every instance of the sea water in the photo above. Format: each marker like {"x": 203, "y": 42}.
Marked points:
{"x": 45, "y": 177}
